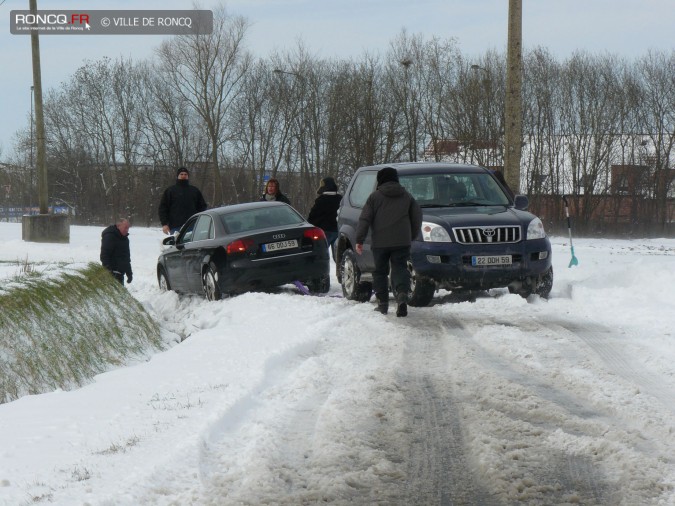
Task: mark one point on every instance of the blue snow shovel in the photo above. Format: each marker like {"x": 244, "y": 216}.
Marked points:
{"x": 574, "y": 260}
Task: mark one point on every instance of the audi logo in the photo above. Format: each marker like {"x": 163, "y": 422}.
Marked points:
{"x": 489, "y": 232}
{"x": 278, "y": 236}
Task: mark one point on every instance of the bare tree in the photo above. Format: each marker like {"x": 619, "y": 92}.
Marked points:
{"x": 207, "y": 72}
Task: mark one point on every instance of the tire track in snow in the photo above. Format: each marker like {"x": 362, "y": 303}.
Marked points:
{"x": 440, "y": 468}
{"x": 532, "y": 472}
{"x": 603, "y": 341}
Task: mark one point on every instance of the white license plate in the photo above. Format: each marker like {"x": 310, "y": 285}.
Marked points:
{"x": 487, "y": 260}
{"x": 276, "y": 246}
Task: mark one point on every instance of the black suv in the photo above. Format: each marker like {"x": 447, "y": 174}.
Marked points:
{"x": 474, "y": 235}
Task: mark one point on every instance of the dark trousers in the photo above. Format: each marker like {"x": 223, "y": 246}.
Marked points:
{"x": 331, "y": 236}
{"x": 400, "y": 276}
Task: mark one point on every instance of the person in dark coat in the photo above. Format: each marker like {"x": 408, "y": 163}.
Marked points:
{"x": 395, "y": 219}
{"x": 273, "y": 192}
{"x": 324, "y": 211}
{"x": 179, "y": 202}
{"x": 115, "y": 255}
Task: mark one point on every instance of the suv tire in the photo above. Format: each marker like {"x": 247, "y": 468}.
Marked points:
{"x": 352, "y": 286}
{"x": 421, "y": 289}
{"x": 543, "y": 286}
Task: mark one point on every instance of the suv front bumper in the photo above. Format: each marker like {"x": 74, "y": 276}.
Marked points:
{"x": 449, "y": 265}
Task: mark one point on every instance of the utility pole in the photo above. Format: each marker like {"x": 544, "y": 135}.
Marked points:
{"x": 513, "y": 101}
{"x": 39, "y": 117}
{"x": 43, "y": 227}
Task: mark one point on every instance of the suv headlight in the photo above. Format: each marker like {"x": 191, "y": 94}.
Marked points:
{"x": 433, "y": 232}
{"x": 535, "y": 230}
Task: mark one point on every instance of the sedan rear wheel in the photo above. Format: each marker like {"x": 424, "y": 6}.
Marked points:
{"x": 210, "y": 283}
{"x": 319, "y": 285}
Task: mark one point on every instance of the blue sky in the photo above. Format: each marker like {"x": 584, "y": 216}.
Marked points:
{"x": 343, "y": 28}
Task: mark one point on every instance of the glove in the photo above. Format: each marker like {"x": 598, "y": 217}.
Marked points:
{"x": 130, "y": 277}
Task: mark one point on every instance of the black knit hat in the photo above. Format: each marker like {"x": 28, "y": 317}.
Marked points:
{"x": 386, "y": 175}
{"x": 327, "y": 185}
{"x": 182, "y": 169}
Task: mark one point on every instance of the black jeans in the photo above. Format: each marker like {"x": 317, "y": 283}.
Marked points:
{"x": 400, "y": 276}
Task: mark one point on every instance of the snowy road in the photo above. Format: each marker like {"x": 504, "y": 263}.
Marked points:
{"x": 449, "y": 409}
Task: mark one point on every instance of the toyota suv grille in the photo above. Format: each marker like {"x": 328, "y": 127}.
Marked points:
{"x": 495, "y": 235}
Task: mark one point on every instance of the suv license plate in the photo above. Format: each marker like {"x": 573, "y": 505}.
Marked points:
{"x": 276, "y": 246}
{"x": 484, "y": 261}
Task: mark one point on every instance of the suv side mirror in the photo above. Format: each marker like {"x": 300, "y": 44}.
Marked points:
{"x": 521, "y": 202}
{"x": 169, "y": 241}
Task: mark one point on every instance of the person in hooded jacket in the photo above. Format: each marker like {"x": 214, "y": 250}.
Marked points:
{"x": 272, "y": 192}
{"x": 179, "y": 202}
{"x": 395, "y": 219}
{"x": 115, "y": 254}
{"x": 324, "y": 211}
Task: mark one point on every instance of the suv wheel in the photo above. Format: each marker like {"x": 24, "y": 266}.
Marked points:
{"x": 421, "y": 289}
{"x": 352, "y": 286}
{"x": 541, "y": 286}
{"x": 545, "y": 284}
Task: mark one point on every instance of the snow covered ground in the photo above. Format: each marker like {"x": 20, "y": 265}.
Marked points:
{"x": 287, "y": 399}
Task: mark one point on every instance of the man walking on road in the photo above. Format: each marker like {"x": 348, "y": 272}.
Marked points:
{"x": 179, "y": 202}
{"x": 395, "y": 219}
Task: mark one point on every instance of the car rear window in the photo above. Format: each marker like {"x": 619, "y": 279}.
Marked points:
{"x": 264, "y": 217}
{"x": 363, "y": 186}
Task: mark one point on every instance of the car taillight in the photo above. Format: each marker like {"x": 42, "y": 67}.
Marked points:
{"x": 239, "y": 246}
{"x": 315, "y": 234}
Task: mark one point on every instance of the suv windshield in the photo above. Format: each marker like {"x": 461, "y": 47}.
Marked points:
{"x": 449, "y": 190}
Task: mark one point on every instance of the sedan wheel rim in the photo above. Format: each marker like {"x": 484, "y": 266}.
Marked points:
{"x": 209, "y": 285}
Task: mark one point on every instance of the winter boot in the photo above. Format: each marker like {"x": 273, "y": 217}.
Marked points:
{"x": 382, "y": 306}
{"x": 402, "y": 309}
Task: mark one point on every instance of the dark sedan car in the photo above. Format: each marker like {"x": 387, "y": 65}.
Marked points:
{"x": 474, "y": 235}
{"x": 244, "y": 247}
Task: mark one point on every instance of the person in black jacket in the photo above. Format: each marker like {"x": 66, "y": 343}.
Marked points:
{"x": 115, "y": 255}
{"x": 395, "y": 219}
{"x": 179, "y": 202}
{"x": 272, "y": 192}
{"x": 324, "y": 211}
